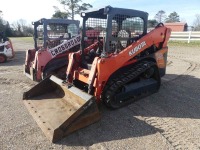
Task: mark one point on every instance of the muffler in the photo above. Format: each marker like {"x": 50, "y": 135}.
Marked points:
{"x": 60, "y": 109}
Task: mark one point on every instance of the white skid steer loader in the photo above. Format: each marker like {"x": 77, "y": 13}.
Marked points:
{"x": 6, "y": 48}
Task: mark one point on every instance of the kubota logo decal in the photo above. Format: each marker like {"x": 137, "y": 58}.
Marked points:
{"x": 137, "y": 48}
{"x": 66, "y": 45}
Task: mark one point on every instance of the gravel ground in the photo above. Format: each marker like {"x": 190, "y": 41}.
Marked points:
{"x": 169, "y": 119}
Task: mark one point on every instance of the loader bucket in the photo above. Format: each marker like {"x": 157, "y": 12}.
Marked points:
{"x": 59, "y": 109}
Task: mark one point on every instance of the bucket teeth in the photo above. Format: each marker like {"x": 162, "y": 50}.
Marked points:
{"x": 59, "y": 109}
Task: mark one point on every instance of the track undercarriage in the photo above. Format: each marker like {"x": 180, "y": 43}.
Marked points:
{"x": 136, "y": 82}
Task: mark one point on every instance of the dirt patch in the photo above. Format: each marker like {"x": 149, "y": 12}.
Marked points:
{"x": 169, "y": 119}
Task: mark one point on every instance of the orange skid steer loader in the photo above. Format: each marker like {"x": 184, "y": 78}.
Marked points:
{"x": 117, "y": 65}
{"x": 54, "y": 39}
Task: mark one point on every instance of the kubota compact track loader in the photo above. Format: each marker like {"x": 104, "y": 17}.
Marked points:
{"x": 54, "y": 39}
{"x": 118, "y": 64}
{"x": 6, "y": 48}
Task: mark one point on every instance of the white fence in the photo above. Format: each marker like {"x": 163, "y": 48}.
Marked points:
{"x": 185, "y": 36}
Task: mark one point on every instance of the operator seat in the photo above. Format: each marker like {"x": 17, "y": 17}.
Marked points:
{"x": 124, "y": 34}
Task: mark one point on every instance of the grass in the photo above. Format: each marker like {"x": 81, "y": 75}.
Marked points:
{"x": 22, "y": 39}
{"x": 184, "y": 43}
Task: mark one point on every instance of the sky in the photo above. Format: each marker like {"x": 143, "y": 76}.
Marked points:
{"x": 32, "y": 10}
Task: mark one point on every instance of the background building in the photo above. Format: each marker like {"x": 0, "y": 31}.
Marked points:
{"x": 177, "y": 26}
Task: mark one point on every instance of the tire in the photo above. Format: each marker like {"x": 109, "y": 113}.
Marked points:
{"x": 3, "y": 58}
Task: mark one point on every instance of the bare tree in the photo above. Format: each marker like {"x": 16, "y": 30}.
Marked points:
{"x": 74, "y": 6}
{"x": 196, "y": 23}
{"x": 160, "y": 16}
{"x": 21, "y": 28}
{"x": 173, "y": 17}
{"x": 2, "y": 27}
{"x": 1, "y": 14}
{"x": 60, "y": 14}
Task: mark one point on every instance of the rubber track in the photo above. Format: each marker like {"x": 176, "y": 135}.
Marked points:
{"x": 114, "y": 84}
